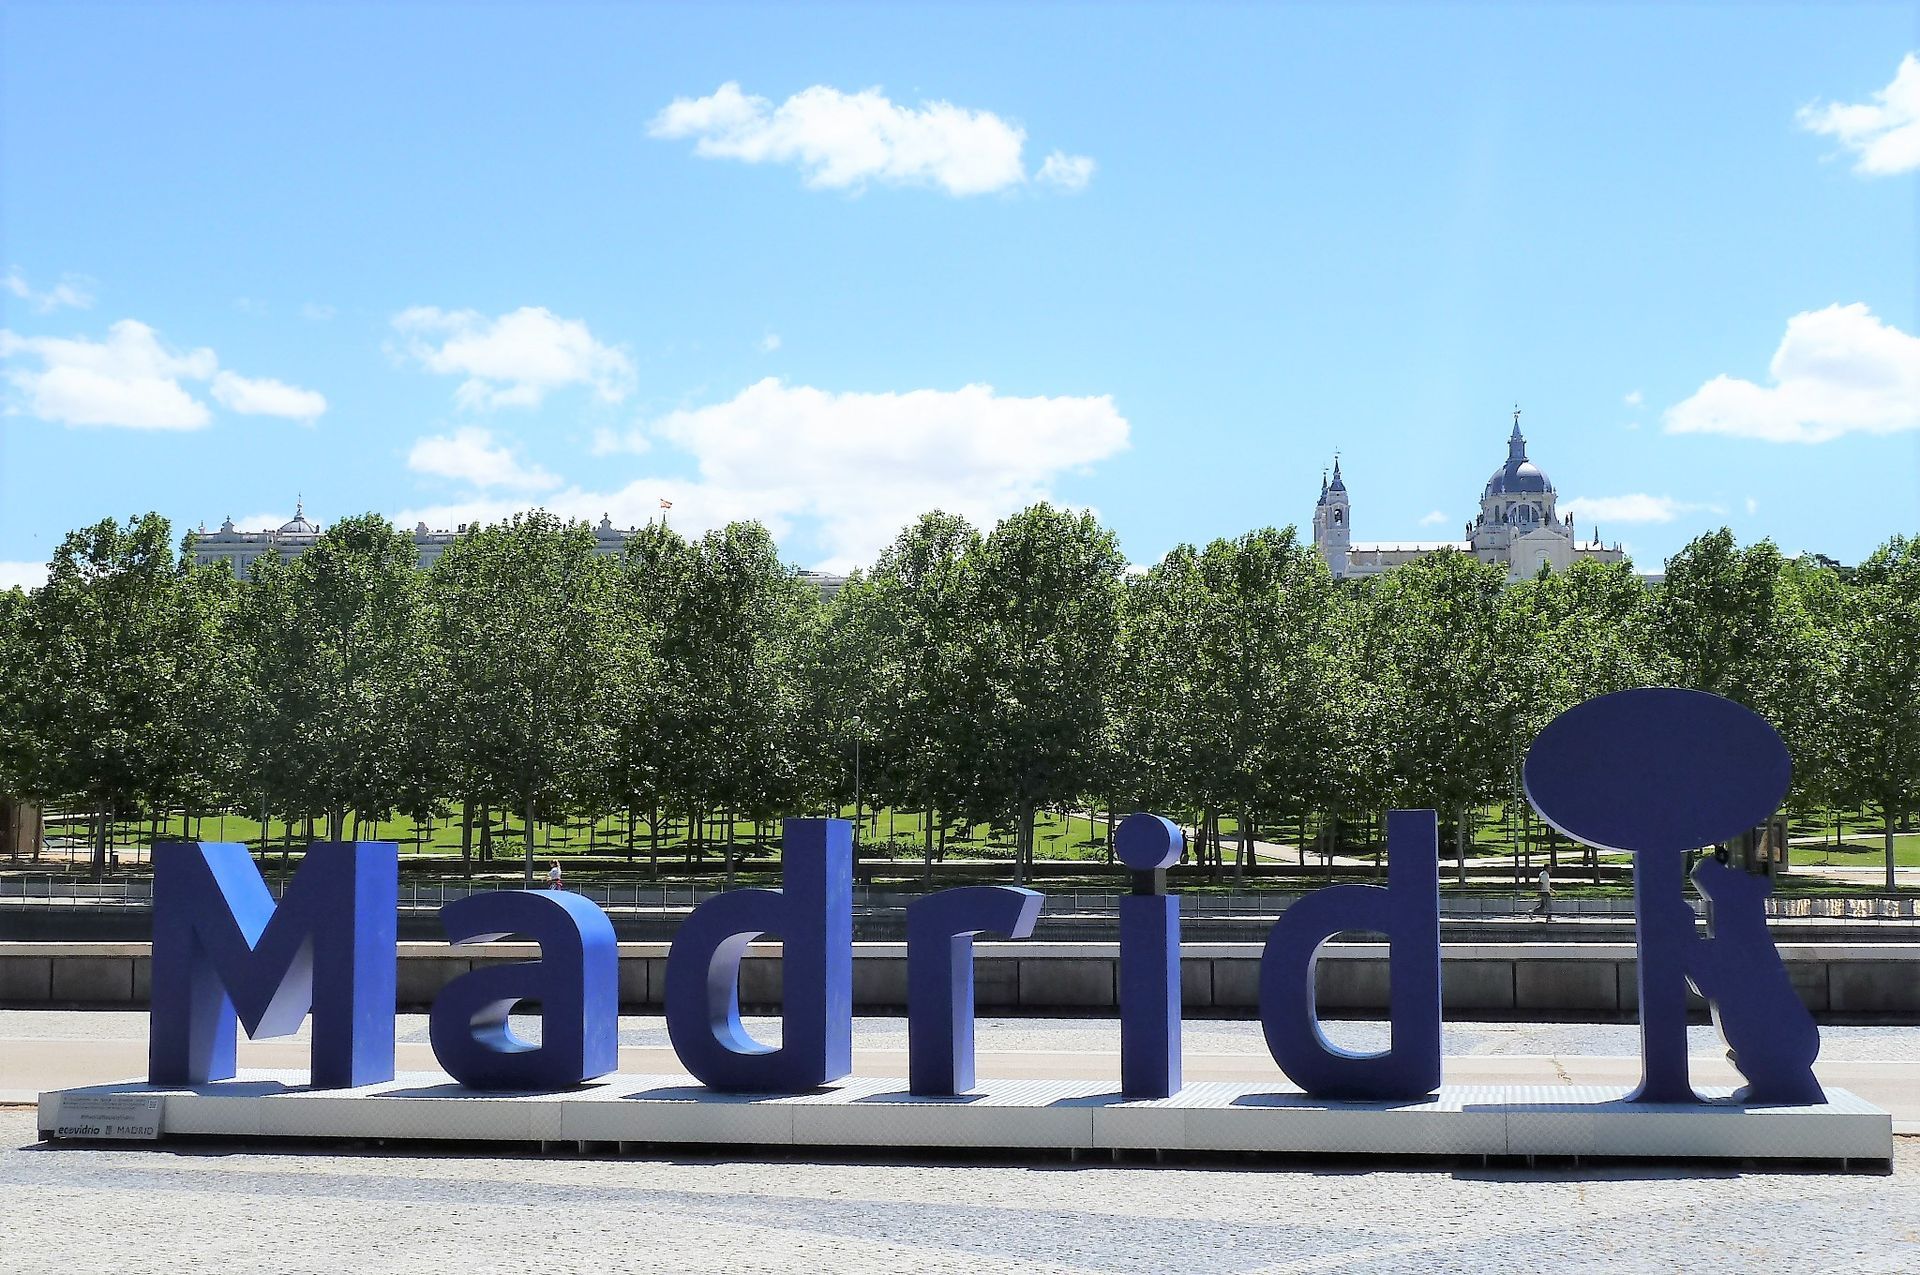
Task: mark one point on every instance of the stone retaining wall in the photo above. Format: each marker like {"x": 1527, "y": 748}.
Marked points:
{"x": 1863, "y": 980}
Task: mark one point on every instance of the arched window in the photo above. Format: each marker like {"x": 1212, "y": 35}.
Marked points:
{"x": 1339, "y": 518}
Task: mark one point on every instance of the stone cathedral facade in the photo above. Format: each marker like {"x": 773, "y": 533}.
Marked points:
{"x": 1518, "y": 527}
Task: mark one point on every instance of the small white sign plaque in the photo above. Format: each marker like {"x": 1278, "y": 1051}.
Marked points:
{"x": 116, "y": 1117}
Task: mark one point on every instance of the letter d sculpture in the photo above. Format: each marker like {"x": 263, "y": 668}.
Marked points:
{"x": 1407, "y": 911}
{"x": 813, "y": 915}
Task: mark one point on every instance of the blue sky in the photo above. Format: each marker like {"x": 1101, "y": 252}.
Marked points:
{"x": 829, "y": 266}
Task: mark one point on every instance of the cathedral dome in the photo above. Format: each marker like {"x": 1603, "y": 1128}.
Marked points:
{"x": 1519, "y": 476}
{"x": 1513, "y": 478}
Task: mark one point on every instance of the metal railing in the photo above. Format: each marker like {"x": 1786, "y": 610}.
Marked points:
{"x": 55, "y": 889}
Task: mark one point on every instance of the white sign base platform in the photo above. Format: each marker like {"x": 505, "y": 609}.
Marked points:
{"x": 626, "y": 1111}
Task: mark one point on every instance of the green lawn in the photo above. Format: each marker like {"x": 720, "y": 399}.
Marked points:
{"x": 882, "y": 833}
{"x": 435, "y": 847}
{"x": 1860, "y": 851}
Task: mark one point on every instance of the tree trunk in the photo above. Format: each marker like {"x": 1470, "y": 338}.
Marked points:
{"x": 926, "y": 842}
{"x": 1023, "y": 846}
{"x": 100, "y": 833}
{"x": 529, "y": 874}
{"x": 1460, "y": 846}
{"x": 1246, "y": 847}
{"x": 1892, "y": 819}
{"x": 466, "y": 838}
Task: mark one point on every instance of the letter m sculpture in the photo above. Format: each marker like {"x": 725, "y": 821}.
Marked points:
{"x": 223, "y": 951}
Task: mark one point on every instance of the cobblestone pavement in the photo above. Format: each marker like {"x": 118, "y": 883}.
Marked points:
{"x": 288, "y": 1212}
{"x": 277, "y": 1211}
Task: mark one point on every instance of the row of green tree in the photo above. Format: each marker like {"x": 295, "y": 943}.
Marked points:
{"x": 982, "y": 678}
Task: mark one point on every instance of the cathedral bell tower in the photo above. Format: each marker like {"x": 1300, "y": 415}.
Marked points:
{"x": 1333, "y": 522}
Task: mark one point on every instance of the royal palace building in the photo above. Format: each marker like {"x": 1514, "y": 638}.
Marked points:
{"x": 240, "y": 548}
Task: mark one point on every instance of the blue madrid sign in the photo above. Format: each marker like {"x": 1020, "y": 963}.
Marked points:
{"x": 1653, "y": 773}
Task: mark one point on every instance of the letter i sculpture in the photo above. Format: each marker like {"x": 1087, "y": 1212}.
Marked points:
{"x": 1149, "y": 960}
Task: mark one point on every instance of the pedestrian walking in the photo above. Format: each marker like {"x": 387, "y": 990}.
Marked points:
{"x": 1545, "y": 907}
{"x": 553, "y": 877}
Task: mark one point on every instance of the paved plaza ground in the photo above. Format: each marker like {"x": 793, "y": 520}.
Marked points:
{"x": 221, "y": 1208}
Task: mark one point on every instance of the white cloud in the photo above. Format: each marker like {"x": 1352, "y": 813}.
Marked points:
{"x": 130, "y": 379}
{"x": 769, "y": 343}
{"x": 70, "y": 293}
{"x": 22, "y": 575}
{"x": 842, "y": 141}
{"x": 1636, "y": 507}
{"x": 1068, "y": 172}
{"x": 264, "y": 396}
{"x": 315, "y": 311}
{"x": 1633, "y": 398}
{"x": 1433, "y": 519}
{"x": 133, "y": 380}
{"x": 514, "y": 360}
{"x": 854, "y": 467}
{"x": 471, "y": 455}
{"x": 1883, "y": 134}
{"x": 1753, "y": 506}
{"x": 1838, "y": 371}
{"x": 608, "y": 442}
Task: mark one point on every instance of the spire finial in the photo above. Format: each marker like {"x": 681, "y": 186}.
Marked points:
{"x": 299, "y": 505}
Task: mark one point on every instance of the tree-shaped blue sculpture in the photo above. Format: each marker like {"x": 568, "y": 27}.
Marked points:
{"x": 1655, "y": 773}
